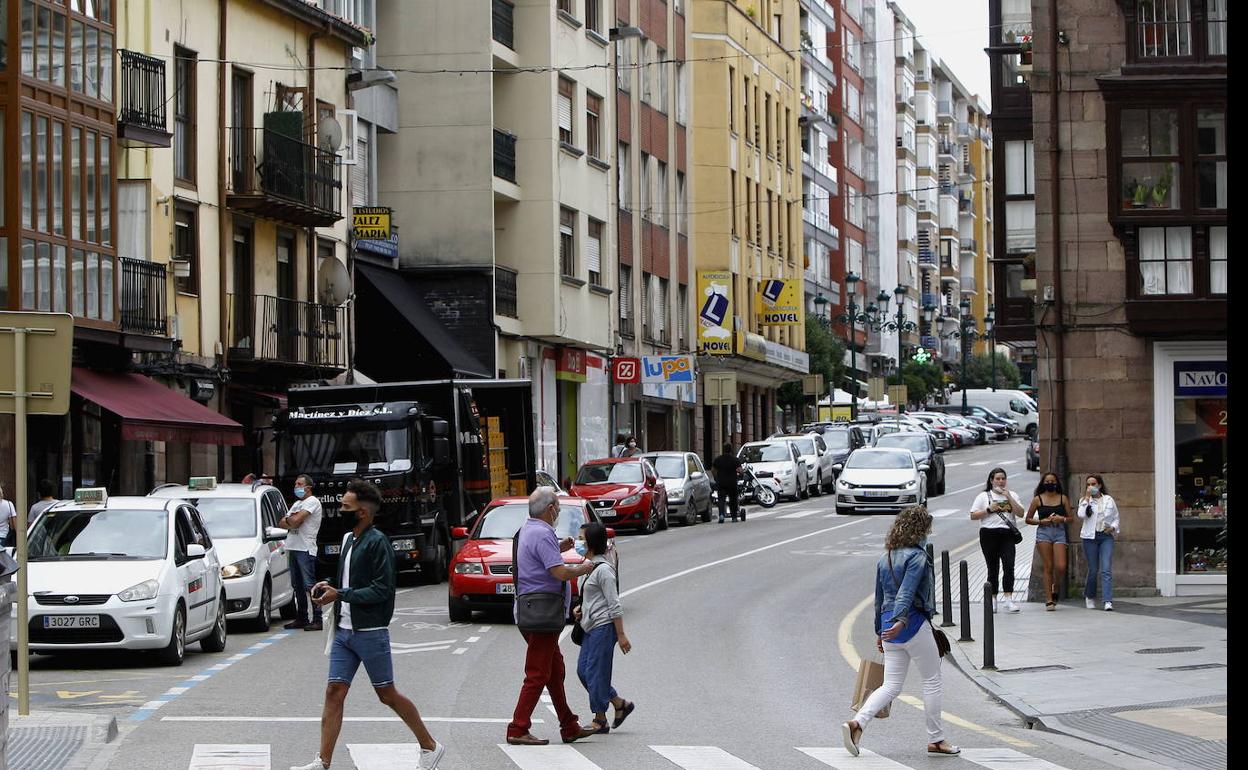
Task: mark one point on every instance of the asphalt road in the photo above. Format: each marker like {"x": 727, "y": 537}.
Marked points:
{"x": 745, "y": 644}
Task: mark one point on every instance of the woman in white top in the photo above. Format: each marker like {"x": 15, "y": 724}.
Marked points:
{"x": 1101, "y": 525}
{"x": 992, "y": 509}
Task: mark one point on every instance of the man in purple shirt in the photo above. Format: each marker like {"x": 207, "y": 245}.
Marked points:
{"x": 540, "y": 567}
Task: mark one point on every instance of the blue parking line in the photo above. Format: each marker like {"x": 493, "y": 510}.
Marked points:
{"x": 173, "y": 693}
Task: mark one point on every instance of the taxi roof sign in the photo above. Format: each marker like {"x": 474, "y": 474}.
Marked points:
{"x": 202, "y": 483}
{"x": 91, "y": 496}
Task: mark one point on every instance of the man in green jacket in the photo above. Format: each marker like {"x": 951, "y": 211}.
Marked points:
{"x": 363, "y": 599}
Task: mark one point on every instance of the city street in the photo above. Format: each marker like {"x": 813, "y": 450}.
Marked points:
{"x": 743, "y": 639}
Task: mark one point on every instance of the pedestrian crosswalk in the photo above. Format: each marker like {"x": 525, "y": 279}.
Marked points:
{"x": 386, "y": 756}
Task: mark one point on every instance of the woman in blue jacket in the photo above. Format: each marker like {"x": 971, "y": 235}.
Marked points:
{"x": 904, "y": 604}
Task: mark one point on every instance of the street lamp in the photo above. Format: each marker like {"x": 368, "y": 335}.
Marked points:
{"x": 852, "y": 317}
{"x": 990, "y": 324}
{"x": 821, "y": 307}
{"x": 968, "y": 333}
{"x": 897, "y": 322}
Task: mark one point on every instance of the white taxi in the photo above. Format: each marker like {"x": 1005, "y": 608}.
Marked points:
{"x": 242, "y": 520}
{"x": 133, "y": 573}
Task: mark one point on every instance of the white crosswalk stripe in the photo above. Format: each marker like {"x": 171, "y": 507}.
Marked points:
{"x": 842, "y": 760}
{"x": 235, "y": 756}
{"x": 384, "y": 756}
{"x": 940, "y": 513}
{"x": 1007, "y": 759}
{"x": 798, "y": 514}
{"x": 547, "y": 758}
{"x": 702, "y": 758}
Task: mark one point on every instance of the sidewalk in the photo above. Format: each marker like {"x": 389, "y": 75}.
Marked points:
{"x": 1148, "y": 679}
{"x": 57, "y": 740}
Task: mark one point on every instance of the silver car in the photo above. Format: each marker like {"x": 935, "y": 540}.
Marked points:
{"x": 687, "y": 483}
{"x": 880, "y": 481}
{"x": 819, "y": 461}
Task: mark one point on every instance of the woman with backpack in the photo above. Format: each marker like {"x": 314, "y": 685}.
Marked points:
{"x": 602, "y": 619}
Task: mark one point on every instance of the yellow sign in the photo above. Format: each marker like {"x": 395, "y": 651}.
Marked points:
{"x": 777, "y": 302}
{"x": 897, "y": 394}
{"x": 47, "y": 343}
{"x": 715, "y": 315}
{"x": 835, "y": 412}
{"x": 371, "y": 223}
{"x": 752, "y": 345}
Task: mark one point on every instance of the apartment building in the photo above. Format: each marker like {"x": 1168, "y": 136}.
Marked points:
{"x": 654, "y": 236}
{"x": 819, "y": 124}
{"x": 1131, "y": 245}
{"x": 500, "y": 176}
{"x": 176, "y": 191}
{"x": 746, "y": 193}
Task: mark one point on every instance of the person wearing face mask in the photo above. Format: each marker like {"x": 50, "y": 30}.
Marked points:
{"x": 303, "y": 523}
{"x": 994, "y": 509}
{"x": 1101, "y": 524}
{"x": 1049, "y": 510}
{"x": 602, "y": 617}
{"x": 905, "y": 601}
{"x": 630, "y": 448}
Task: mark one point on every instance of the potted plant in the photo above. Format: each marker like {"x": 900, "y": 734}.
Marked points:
{"x": 1161, "y": 191}
{"x": 1139, "y": 197}
{"x": 752, "y": 12}
{"x": 1024, "y": 54}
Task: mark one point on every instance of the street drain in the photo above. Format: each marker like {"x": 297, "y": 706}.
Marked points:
{"x": 1196, "y": 667}
{"x": 1166, "y": 650}
{"x": 1033, "y": 669}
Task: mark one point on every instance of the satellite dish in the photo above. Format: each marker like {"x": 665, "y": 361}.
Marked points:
{"x": 333, "y": 282}
{"x": 329, "y": 134}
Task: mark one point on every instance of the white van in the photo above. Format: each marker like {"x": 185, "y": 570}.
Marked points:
{"x": 1014, "y": 404}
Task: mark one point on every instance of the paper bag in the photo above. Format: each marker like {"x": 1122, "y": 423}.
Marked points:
{"x": 331, "y": 626}
{"x": 870, "y": 677}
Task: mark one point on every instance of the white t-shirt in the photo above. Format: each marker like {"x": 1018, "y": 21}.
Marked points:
{"x": 992, "y": 520}
{"x": 6, "y": 510}
{"x": 344, "y": 608}
{"x": 303, "y": 537}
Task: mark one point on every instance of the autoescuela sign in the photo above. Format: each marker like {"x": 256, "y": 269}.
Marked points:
{"x": 371, "y": 223}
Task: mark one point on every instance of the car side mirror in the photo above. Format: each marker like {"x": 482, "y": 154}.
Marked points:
{"x": 459, "y": 533}
{"x": 441, "y": 452}
{"x": 274, "y": 534}
{"x": 698, "y": 475}
{"x": 940, "y": 450}
{"x": 650, "y": 483}
{"x": 924, "y": 468}
{"x": 610, "y": 533}
{"x": 195, "y": 551}
{"x": 838, "y": 466}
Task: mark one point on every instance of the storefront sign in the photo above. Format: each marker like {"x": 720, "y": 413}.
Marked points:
{"x": 751, "y": 346}
{"x": 715, "y": 316}
{"x": 1200, "y": 378}
{"x": 720, "y": 388}
{"x": 787, "y": 357}
{"x": 571, "y": 365}
{"x": 666, "y": 369}
{"x": 626, "y": 371}
{"x": 777, "y": 303}
{"x": 671, "y": 392}
{"x": 371, "y": 223}
{"x": 387, "y": 248}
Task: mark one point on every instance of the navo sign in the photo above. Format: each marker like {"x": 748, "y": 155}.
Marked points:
{"x": 666, "y": 369}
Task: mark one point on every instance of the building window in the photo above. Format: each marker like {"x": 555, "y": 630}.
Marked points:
{"x": 660, "y": 74}
{"x": 644, "y": 202}
{"x": 186, "y": 248}
{"x": 732, "y": 192}
{"x": 1165, "y": 260}
{"x": 1150, "y": 158}
{"x": 624, "y": 174}
{"x": 567, "y": 97}
{"x": 682, "y": 94}
{"x": 682, "y": 210}
{"x": 647, "y": 58}
{"x": 853, "y": 51}
{"x": 626, "y": 300}
{"x": 593, "y": 125}
{"x": 682, "y": 320}
{"x": 1200, "y": 456}
{"x": 732, "y": 100}
{"x": 854, "y": 212}
{"x": 1217, "y": 260}
{"x": 1164, "y": 31}
{"x": 1157, "y": 147}
{"x": 184, "y": 115}
{"x": 647, "y": 312}
{"x": 746, "y": 118}
{"x": 661, "y": 332}
{"x": 1211, "y": 168}
{"x": 593, "y": 252}
{"x": 1020, "y": 167}
{"x": 593, "y": 15}
{"x": 622, "y": 68}
{"x": 567, "y": 242}
{"x": 361, "y": 172}
{"x": 566, "y": 7}
{"x": 660, "y": 198}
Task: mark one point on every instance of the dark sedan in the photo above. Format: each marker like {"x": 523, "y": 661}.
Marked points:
{"x": 927, "y": 456}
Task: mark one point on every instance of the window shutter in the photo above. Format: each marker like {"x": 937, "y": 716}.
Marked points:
{"x": 593, "y": 251}
{"x": 565, "y": 113}
{"x": 359, "y": 172}
{"x": 662, "y": 309}
{"x": 626, "y": 292}
{"x": 682, "y": 321}
{"x": 647, "y": 315}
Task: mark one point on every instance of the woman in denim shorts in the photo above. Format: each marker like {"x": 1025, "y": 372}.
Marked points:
{"x": 1049, "y": 510}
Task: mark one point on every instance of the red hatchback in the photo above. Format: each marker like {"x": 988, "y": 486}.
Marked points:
{"x": 481, "y": 571}
{"x": 624, "y": 491}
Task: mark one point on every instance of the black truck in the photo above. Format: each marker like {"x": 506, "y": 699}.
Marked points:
{"x": 438, "y": 450}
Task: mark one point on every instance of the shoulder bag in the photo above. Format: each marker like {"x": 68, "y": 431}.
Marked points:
{"x": 1015, "y": 535}
{"x": 578, "y": 631}
{"x": 537, "y": 612}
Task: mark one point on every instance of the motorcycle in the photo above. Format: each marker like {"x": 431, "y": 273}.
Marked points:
{"x": 751, "y": 487}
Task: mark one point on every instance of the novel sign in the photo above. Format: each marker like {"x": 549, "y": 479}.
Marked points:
{"x": 776, "y": 303}
{"x": 371, "y": 223}
{"x": 715, "y": 315}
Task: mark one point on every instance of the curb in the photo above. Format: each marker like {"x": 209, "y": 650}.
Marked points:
{"x": 962, "y": 659}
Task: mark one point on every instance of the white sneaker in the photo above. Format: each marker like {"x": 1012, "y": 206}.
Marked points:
{"x": 1011, "y": 607}
{"x": 1109, "y": 606}
{"x": 1089, "y": 603}
{"x": 429, "y": 759}
{"x": 316, "y": 764}
{"x": 994, "y": 605}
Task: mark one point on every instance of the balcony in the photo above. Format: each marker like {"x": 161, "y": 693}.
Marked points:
{"x": 968, "y": 284}
{"x": 277, "y": 330}
{"x": 505, "y": 155}
{"x": 280, "y": 177}
{"x": 966, "y": 204}
{"x": 930, "y": 300}
{"x": 945, "y": 148}
{"x": 944, "y": 110}
{"x": 927, "y": 258}
{"x": 141, "y": 93}
{"x": 505, "y": 296}
{"x": 143, "y": 286}
{"x": 968, "y": 245}
{"x": 967, "y": 171}
{"x": 505, "y": 23}
{"x": 965, "y": 131}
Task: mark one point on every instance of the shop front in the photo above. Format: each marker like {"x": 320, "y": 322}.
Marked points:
{"x": 1190, "y": 454}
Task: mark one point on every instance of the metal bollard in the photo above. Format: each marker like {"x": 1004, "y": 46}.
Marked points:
{"x": 964, "y": 587}
{"x": 990, "y": 658}
{"x": 946, "y": 613}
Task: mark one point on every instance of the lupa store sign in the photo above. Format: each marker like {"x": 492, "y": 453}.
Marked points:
{"x": 666, "y": 369}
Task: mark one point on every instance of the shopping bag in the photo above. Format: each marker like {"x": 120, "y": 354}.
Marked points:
{"x": 330, "y": 622}
{"x": 870, "y": 677}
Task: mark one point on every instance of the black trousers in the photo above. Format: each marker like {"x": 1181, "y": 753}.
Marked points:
{"x": 728, "y": 496}
{"x": 998, "y": 548}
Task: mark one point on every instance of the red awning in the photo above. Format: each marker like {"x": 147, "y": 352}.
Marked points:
{"x": 151, "y": 412}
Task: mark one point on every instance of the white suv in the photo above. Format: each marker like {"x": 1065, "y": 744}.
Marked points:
{"x": 820, "y": 475}
{"x": 255, "y": 567}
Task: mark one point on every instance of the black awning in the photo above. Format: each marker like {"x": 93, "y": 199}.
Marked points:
{"x": 386, "y": 306}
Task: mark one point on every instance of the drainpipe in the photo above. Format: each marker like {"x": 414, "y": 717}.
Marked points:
{"x": 1055, "y": 194}
{"x": 311, "y": 231}
{"x": 223, "y": 232}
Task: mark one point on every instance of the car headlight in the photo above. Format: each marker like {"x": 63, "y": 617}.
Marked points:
{"x": 912, "y": 484}
{"x": 630, "y": 500}
{"x": 675, "y": 495}
{"x": 239, "y": 568}
{"x": 469, "y": 568}
{"x": 141, "y": 592}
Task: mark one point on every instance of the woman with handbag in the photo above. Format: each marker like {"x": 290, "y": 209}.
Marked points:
{"x": 995, "y": 509}
{"x": 905, "y": 601}
{"x": 1048, "y": 512}
{"x": 601, "y": 618}
{"x": 1101, "y": 525}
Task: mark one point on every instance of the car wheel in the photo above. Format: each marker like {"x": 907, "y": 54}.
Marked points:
{"x": 941, "y": 489}
{"x": 706, "y": 513}
{"x": 457, "y": 611}
{"x": 931, "y": 488}
{"x": 652, "y": 523}
{"x": 264, "y": 618}
{"x": 175, "y": 652}
{"x": 215, "y": 641}
{"x": 436, "y": 571}
{"x": 1032, "y": 430}
{"x": 691, "y": 513}
{"x": 663, "y": 522}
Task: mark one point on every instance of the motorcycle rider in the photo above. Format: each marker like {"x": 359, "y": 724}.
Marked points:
{"x": 727, "y": 468}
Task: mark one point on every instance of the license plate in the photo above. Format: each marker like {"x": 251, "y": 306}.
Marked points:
{"x": 877, "y": 493}
{"x": 407, "y": 544}
{"x": 71, "y": 621}
{"x": 505, "y": 588}
{"x": 331, "y": 550}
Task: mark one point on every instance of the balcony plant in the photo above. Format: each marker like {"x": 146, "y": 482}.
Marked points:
{"x": 752, "y": 12}
{"x": 1161, "y": 190}
{"x": 1024, "y": 50}
{"x": 1139, "y": 197}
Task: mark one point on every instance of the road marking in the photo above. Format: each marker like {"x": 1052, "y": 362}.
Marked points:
{"x": 472, "y": 640}
{"x": 483, "y": 629}
{"x": 982, "y": 462}
{"x": 702, "y": 758}
{"x": 841, "y": 759}
{"x": 547, "y": 758}
{"x": 74, "y": 694}
{"x": 458, "y": 651}
{"x": 451, "y": 720}
{"x": 952, "y": 465}
{"x": 384, "y": 756}
{"x": 1009, "y": 462}
{"x": 1007, "y": 759}
{"x": 942, "y": 512}
{"x": 216, "y": 756}
{"x": 798, "y": 514}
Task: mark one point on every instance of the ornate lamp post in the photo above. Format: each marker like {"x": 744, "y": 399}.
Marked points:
{"x": 853, "y": 317}
{"x": 899, "y": 324}
{"x": 967, "y": 332}
{"x": 990, "y": 323}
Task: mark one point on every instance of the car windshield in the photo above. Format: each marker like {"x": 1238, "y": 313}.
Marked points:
{"x": 837, "y": 439}
{"x": 610, "y": 473}
{"x": 879, "y": 460}
{"x": 805, "y": 446}
{"x": 916, "y": 444}
{"x": 669, "y": 466}
{"x": 766, "y": 453}
{"x": 503, "y": 522}
{"x": 100, "y": 534}
{"x": 228, "y": 516}
{"x": 347, "y": 448}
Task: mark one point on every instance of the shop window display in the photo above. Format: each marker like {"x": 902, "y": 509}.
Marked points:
{"x": 1200, "y": 502}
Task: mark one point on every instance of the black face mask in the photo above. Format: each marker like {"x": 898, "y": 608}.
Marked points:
{"x": 353, "y": 517}
{"x": 1050, "y": 487}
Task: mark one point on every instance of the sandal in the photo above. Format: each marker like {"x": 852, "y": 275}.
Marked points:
{"x": 622, "y": 714}
{"x": 1050, "y": 606}
{"x": 603, "y": 727}
{"x": 847, "y": 734}
{"x": 944, "y": 747}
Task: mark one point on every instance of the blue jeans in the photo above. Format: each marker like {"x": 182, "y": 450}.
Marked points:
{"x": 594, "y": 666}
{"x": 1100, "y": 556}
{"x": 351, "y": 648}
{"x": 302, "y": 578}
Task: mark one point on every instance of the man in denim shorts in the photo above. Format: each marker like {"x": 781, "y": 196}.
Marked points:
{"x": 363, "y": 599}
